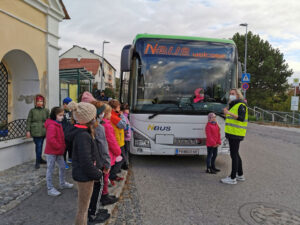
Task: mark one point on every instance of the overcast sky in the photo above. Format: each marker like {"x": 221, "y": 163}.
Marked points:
{"x": 118, "y": 21}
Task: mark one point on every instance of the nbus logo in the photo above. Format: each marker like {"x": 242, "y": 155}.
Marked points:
{"x": 158, "y": 128}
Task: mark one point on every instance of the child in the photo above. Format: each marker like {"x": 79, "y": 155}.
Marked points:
{"x": 119, "y": 124}
{"x": 113, "y": 146}
{"x": 84, "y": 163}
{"x": 213, "y": 140}
{"x": 35, "y": 127}
{"x": 66, "y": 123}
{"x": 55, "y": 148}
{"x": 127, "y": 134}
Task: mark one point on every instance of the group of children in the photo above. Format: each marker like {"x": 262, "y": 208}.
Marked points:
{"x": 96, "y": 137}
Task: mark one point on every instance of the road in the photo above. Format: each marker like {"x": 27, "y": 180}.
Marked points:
{"x": 176, "y": 190}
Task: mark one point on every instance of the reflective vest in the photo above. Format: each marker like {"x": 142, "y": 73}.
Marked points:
{"x": 233, "y": 126}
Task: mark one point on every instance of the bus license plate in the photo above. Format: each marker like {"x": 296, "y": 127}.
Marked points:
{"x": 187, "y": 151}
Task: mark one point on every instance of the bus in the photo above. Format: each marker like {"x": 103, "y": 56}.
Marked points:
{"x": 171, "y": 83}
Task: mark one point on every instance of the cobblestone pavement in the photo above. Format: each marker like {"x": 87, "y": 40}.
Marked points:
{"x": 18, "y": 183}
{"x": 26, "y": 201}
{"x": 127, "y": 211}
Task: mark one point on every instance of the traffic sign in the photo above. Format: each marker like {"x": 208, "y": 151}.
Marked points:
{"x": 246, "y": 78}
{"x": 245, "y": 86}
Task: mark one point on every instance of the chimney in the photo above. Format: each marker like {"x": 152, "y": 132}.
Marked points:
{"x": 92, "y": 51}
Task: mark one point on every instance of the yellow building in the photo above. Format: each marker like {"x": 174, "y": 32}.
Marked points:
{"x": 29, "y": 64}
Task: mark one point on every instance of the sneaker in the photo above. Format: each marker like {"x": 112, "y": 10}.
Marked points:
{"x": 66, "y": 166}
{"x": 43, "y": 161}
{"x": 112, "y": 182}
{"x": 69, "y": 161}
{"x": 228, "y": 180}
{"x": 53, "y": 192}
{"x": 240, "y": 178}
{"x": 119, "y": 178}
{"x": 209, "y": 170}
{"x": 66, "y": 185}
{"x": 216, "y": 169}
{"x": 98, "y": 218}
{"x": 37, "y": 166}
{"x": 106, "y": 200}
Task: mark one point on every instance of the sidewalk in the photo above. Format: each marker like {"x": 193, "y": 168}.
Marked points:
{"x": 24, "y": 199}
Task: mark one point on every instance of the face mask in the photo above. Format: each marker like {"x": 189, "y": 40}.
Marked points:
{"x": 59, "y": 118}
{"x": 101, "y": 116}
{"x": 213, "y": 122}
{"x": 232, "y": 98}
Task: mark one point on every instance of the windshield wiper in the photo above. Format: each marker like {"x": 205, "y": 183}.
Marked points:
{"x": 206, "y": 112}
{"x": 163, "y": 110}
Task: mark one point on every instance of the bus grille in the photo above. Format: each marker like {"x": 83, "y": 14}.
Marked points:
{"x": 189, "y": 141}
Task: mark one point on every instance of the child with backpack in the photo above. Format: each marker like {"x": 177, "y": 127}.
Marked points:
{"x": 55, "y": 148}
{"x": 213, "y": 140}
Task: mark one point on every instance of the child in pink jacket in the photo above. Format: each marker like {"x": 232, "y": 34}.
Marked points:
{"x": 213, "y": 140}
{"x": 55, "y": 149}
{"x": 113, "y": 146}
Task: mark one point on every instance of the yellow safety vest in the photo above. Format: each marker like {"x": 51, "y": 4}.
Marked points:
{"x": 233, "y": 126}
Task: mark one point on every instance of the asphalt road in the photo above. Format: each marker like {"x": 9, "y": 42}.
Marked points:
{"x": 176, "y": 190}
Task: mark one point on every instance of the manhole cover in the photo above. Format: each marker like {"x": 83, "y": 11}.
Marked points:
{"x": 268, "y": 214}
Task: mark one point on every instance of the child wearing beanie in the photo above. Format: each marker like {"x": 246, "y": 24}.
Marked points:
{"x": 213, "y": 140}
{"x": 66, "y": 123}
{"x": 85, "y": 157}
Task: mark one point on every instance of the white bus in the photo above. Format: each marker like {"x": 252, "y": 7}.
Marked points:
{"x": 171, "y": 84}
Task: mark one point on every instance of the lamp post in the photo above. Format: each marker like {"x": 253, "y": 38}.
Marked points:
{"x": 102, "y": 64}
{"x": 245, "y": 62}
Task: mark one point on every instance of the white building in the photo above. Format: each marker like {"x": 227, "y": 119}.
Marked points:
{"x": 79, "y": 53}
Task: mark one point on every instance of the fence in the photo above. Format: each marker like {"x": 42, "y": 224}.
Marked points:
{"x": 260, "y": 114}
{"x": 13, "y": 130}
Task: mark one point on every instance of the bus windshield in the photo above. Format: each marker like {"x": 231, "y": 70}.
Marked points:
{"x": 182, "y": 76}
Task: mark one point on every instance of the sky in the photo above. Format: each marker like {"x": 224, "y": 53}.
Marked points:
{"x": 118, "y": 21}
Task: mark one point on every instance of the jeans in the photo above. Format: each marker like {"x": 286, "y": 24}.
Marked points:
{"x": 126, "y": 152}
{"x": 51, "y": 159}
{"x": 237, "y": 167}
{"x": 38, "y": 141}
{"x": 211, "y": 157}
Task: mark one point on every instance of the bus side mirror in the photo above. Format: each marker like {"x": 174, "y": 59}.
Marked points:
{"x": 126, "y": 56}
{"x": 240, "y": 70}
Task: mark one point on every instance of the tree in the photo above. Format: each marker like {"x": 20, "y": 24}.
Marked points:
{"x": 268, "y": 69}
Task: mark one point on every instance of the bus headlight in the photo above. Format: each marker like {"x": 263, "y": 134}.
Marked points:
{"x": 140, "y": 141}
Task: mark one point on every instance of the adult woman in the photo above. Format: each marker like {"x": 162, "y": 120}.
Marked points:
{"x": 235, "y": 131}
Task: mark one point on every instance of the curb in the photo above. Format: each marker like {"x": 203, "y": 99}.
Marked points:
{"x": 117, "y": 191}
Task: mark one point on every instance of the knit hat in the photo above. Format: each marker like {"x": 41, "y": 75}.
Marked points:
{"x": 39, "y": 98}
{"x": 87, "y": 97}
{"x": 67, "y": 100}
{"x": 83, "y": 112}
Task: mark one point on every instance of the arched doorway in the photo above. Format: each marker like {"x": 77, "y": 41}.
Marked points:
{"x": 19, "y": 83}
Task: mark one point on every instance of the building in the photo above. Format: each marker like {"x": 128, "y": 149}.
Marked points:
{"x": 81, "y": 56}
{"x": 29, "y": 64}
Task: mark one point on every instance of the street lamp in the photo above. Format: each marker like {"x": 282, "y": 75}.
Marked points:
{"x": 102, "y": 64}
{"x": 245, "y": 62}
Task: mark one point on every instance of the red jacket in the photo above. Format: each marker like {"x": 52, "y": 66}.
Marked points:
{"x": 113, "y": 146}
{"x": 55, "y": 144}
{"x": 213, "y": 136}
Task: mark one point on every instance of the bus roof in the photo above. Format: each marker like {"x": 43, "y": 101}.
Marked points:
{"x": 139, "y": 36}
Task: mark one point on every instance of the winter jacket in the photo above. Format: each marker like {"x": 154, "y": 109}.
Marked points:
{"x": 113, "y": 146}
{"x": 67, "y": 119}
{"x": 241, "y": 117}
{"x": 127, "y": 131}
{"x": 55, "y": 144}
{"x": 213, "y": 136}
{"x": 102, "y": 147}
{"x": 84, "y": 154}
{"x": 36, "y": 119}
{"x": 119, "y": 124}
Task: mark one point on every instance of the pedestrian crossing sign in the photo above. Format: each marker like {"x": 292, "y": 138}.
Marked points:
{"x": 246, "y": 78}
